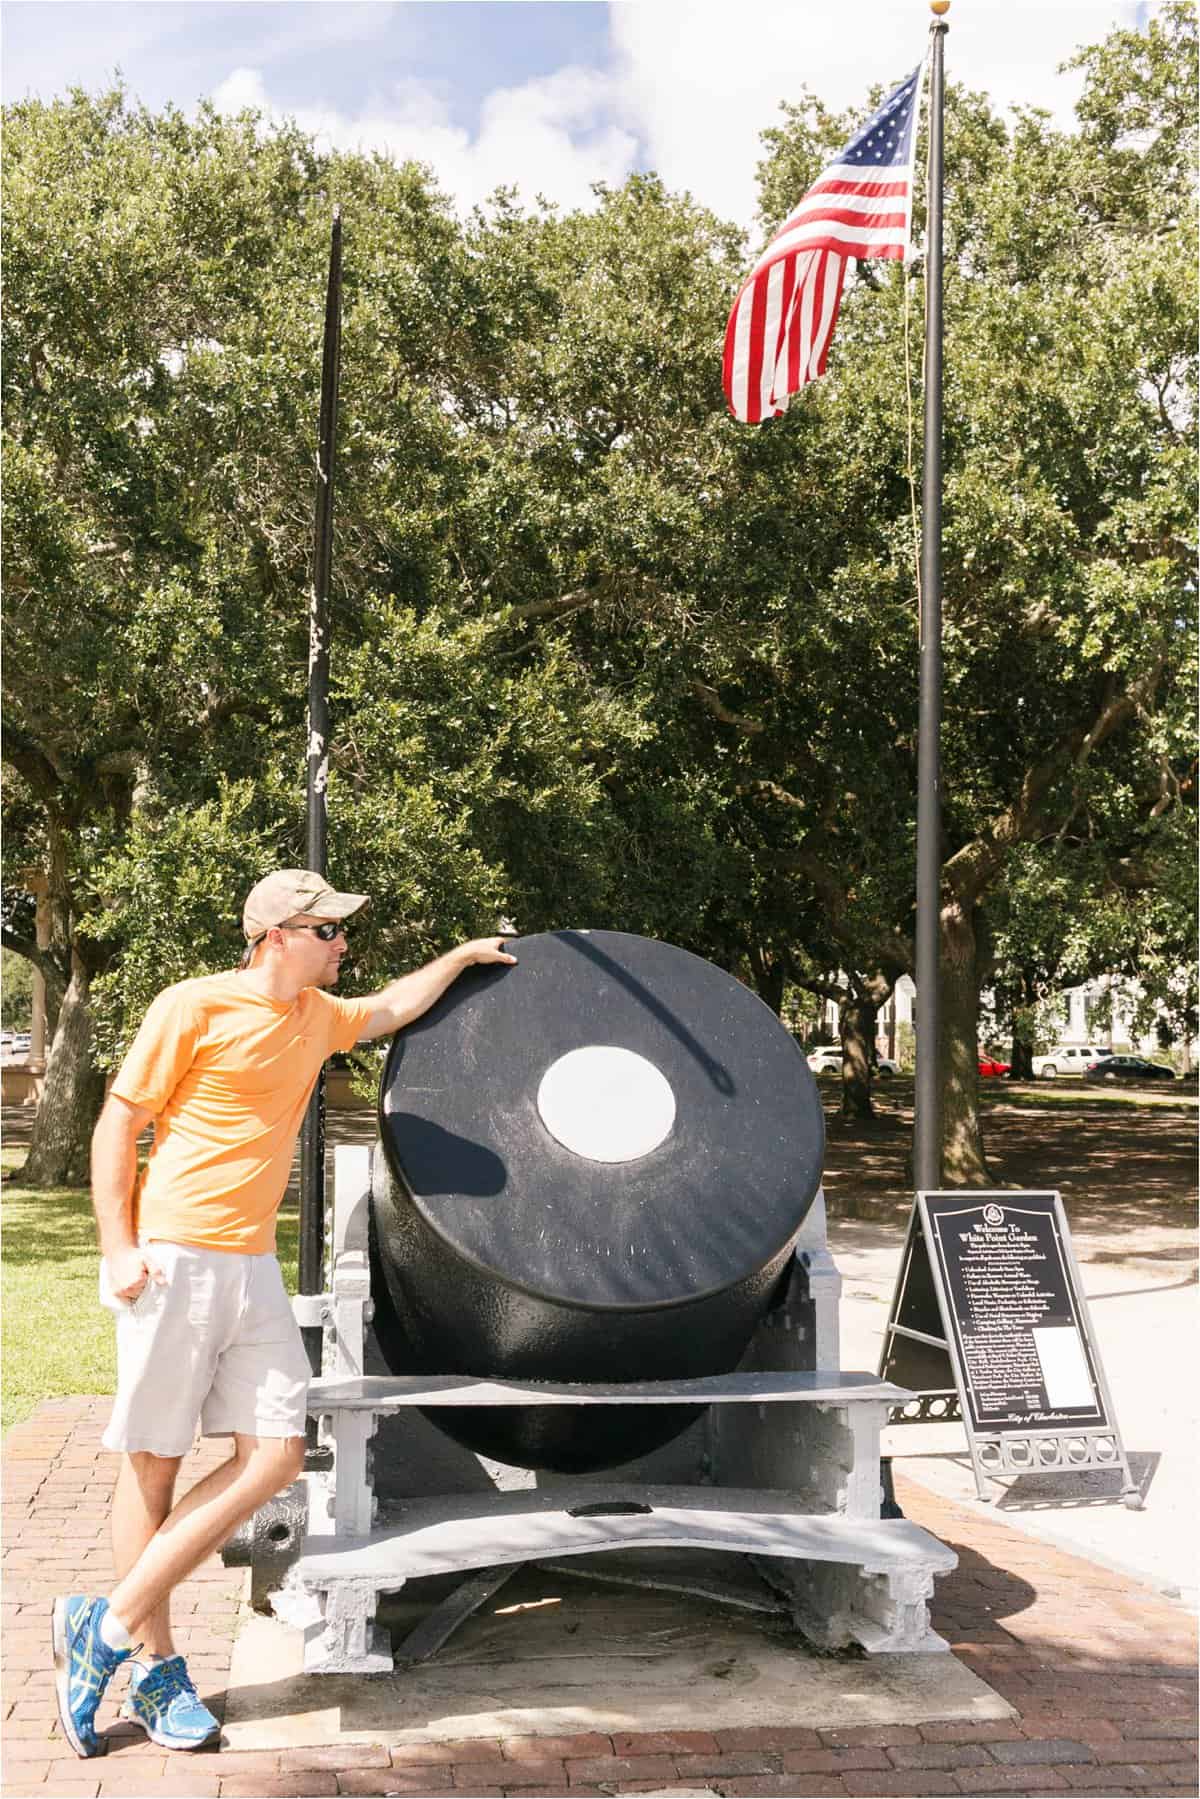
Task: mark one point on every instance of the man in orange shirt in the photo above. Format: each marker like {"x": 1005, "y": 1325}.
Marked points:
{"x": 224, "y": 1065}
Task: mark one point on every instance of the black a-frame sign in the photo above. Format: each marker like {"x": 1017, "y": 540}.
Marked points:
{"x": 988, "y": 1323}
{"x": 915, "y": 1350}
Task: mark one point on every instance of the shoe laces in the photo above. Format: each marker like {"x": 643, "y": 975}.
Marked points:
{"x": 174, "y": 1678}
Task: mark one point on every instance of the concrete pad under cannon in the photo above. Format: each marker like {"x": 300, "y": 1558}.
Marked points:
{"x": 553, "y": 1656}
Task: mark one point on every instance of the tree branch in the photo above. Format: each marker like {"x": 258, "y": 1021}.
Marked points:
{"x": 816, "y": 871}
{"x": 776, "y": 792}
{"x": 217, "y": 711}
{"x": 711, "y": 699}
{"x": 971, "y": 868}
{"x": 824, "y": 989}
{"x": 616, "y": 585}
{"x": 46, "y": 964}
{"x": 556, "y": 608}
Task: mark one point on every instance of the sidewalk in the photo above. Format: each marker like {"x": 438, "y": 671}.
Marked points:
{"x": 1144, "y": 1319}
{"x": 1100, "y": 1669}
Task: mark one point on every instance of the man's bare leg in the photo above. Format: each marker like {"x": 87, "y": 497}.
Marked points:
{"x": 142, "y": 1501}
{"x": 204, "y": 1518}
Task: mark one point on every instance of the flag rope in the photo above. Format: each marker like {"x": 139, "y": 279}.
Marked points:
{"x": 922, "y": 94}
{"x": 912, "y": 477}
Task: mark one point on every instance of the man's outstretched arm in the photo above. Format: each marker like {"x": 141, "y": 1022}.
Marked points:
{"x": 404, "y": 999}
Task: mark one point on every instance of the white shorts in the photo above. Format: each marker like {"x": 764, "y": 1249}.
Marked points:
{"x": 215, "y": 1343}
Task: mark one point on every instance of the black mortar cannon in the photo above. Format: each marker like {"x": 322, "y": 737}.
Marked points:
{"x": 585, "y": 1227}
{"x": 594, "y": 1168}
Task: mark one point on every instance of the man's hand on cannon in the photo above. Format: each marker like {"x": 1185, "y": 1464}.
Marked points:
{"x": 483, "y": 949}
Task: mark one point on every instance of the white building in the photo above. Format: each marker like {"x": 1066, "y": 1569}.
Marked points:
{"x": 1068, "y": 1022}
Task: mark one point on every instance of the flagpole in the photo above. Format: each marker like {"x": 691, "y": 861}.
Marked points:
{"x": 927, "y": 1131}
{"x": 312, "y": 1132}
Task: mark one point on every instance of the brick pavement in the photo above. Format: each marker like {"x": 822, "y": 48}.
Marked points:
{"x": 1100, "y": 1669}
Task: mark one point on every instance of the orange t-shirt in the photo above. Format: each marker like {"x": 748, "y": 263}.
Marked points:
{"x": 228, "y": 1074}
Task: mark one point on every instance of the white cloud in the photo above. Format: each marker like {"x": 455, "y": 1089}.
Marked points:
{"x": 690, "y": 86}
{"x": 703, "y": 79}
{"x": 554, "y": 135}
{"x": 241, "y": 90}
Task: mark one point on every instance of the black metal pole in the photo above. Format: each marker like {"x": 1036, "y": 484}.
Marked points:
{"x": 312, "y": 1134}
{"x": 927, "y": 1133}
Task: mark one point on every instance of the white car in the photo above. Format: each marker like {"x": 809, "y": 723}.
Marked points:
{"x": 1068, "y": 1058}
{"x": 827, "y": 1059}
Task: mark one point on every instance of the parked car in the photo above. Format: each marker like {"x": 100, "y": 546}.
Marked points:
{"x": 1068, "y": 1058}
{"x": 988, "y": 1065}
{"x": 827, "y": 1059}
{"x": 1128, "y": 1068}
{"x": 22, "y": 1043}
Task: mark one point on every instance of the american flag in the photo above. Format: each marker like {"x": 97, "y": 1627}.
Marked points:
{"x": 782, "y": 321}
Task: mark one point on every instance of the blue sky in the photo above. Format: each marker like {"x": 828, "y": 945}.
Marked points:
{"x": 549, "y": 95}
{"x": 310, "y": 51}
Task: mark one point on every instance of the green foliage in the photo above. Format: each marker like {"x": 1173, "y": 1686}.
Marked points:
{"x": 173, "y": 886}
{"x": 601, "y": 656}
{"x": 1068, "y": 558}
{"x": 16, "y": 991}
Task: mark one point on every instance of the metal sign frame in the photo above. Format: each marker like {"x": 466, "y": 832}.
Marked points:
{"x": 1014, "y": 1448}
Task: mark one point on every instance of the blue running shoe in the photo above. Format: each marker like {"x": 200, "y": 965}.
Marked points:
{"x": 83, "y": 1667}
{"x": 164, "y": 1702}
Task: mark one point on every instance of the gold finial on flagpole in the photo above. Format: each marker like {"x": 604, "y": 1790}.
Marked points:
{"x": 940, "y": 7}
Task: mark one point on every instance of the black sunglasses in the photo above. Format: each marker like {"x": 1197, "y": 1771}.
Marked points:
{"x": 326, "y": 932}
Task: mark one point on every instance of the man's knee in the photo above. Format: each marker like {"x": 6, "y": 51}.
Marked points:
{"x": 275, "y": 1461}
{"x": 291, "y": 1456}
{"x": 155, "y": 1474}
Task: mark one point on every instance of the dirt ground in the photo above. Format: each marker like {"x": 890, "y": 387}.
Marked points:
{"x": 1119, "y": 1168}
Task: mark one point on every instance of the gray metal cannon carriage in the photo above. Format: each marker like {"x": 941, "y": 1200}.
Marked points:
{"x": 580, "y": 1302}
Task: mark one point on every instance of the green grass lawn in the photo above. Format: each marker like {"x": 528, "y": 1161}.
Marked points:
{"x": 1057, "y": 1095}
{"x": 57, "y": 1338}
{"x": 1063, "y": 1093}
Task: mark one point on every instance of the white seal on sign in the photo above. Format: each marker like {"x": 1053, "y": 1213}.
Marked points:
{"x": 993, "y": 1215}
{"x": 606, "y": 1104}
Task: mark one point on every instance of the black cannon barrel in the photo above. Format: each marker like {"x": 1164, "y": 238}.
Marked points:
{"x": 600, "y": 1160}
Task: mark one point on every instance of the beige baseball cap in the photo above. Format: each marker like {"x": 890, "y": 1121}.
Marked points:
{"x": 295, "y": 893}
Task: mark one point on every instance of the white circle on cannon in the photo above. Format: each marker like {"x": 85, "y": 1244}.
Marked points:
{"x": 606, "y": 1103}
